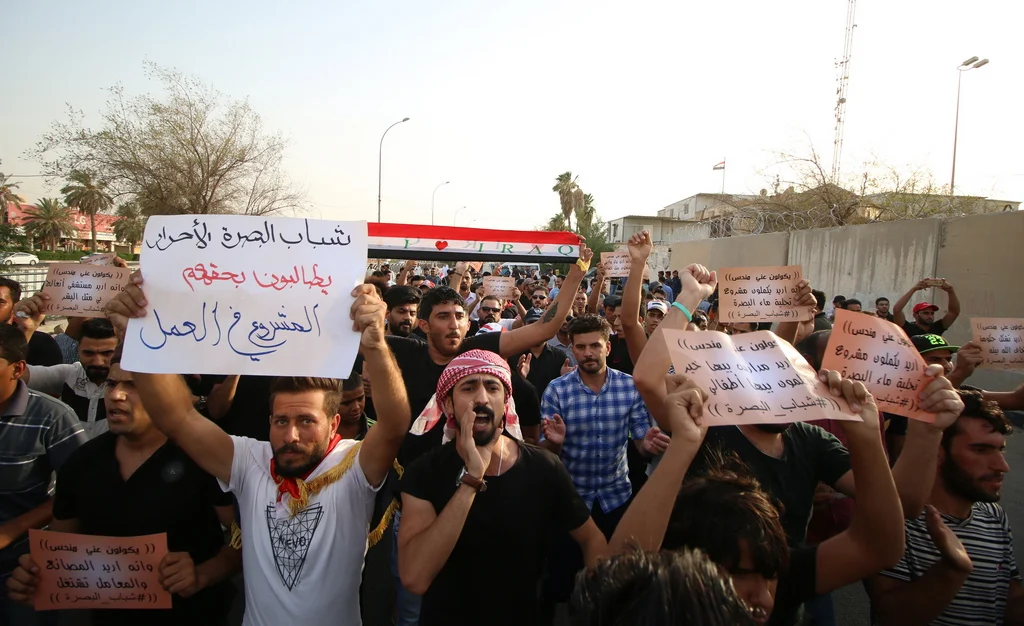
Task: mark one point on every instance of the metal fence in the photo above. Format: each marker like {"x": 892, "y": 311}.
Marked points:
{"x": 31, "y": 278}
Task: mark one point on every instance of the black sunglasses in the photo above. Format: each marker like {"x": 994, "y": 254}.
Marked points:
{"x": 487, "y": 309}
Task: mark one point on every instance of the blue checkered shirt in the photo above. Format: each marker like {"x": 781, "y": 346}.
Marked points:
{"x": 598, "y": 427}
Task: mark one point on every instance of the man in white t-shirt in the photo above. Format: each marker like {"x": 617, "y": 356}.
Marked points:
{"x": 306, "y": 497}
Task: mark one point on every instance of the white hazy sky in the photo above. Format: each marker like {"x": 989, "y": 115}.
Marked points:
{"x": 639, "y": 99}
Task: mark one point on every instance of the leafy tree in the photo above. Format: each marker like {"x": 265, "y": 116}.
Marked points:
{"x": 570, "y": 196}
{"x": 7, "y": 195}
{"x": 89, "y": 196}
{"x": 48, "y": 221}
{"x": 130, "y": 224}
{"x": 190, "y": 150}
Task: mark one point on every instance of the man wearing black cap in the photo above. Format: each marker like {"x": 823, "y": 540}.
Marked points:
{"x": 924, "y": 312}
{"x": 935, "y": 349}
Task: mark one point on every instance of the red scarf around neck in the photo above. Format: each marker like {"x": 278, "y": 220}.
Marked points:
{"x": 291, "y": 485}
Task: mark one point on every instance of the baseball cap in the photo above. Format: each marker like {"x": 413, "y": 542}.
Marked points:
{"x": 493, "y": 327}
{"x": 931, "y": 343}
{"x": 660, "y": 305}
{"x": 533, "y": 315}
{"x": 924, "y": 306}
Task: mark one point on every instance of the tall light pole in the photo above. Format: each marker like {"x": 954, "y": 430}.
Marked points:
{"x": 455, "y": 220}
{"x": 380, "y": 150}
{"x": 970, "y": 64}
{"x": 432, "y": 200}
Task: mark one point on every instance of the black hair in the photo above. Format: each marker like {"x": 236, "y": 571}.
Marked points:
{"x": 699, "y": 318}
{"x": 977, "y": 407}
{"x": 13, "y": 346}
{"x": 353, "y": 382}
{"x": 659, "y": 290}
{"x": 735, "y": 513}
{"x": 97, "y": 328}
{"x": 877, "y": 300}
{"x": 819, "y": 297}
{"x": 590, "y": 324}
{"x": 13, "y": 285}
{"x": 812, "y": 347}
{"x": 402, "y": 294}
{"x": 436, "y": 296}
{"x": 838, "y": 299}
{"x": 417, "y": 277}
{"x": 852, "y": 301}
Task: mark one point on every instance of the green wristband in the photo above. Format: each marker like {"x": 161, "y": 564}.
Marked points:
{"x": 686, "y": 312}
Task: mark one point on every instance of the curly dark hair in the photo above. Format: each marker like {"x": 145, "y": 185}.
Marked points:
{"x": 590, "y": 324}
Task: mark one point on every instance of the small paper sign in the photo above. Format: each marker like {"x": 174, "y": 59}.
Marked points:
{"x": 92, "y": 572}
{"x": 753, "y": 378}
{"x": 476, "y": 266}
{"x": 1001, "y": 340}
{"x": 761, "y": 294}
{"x": 876, "y": 352}
{"x": 81, "y": 289}
{"x": 499, "y": 286}
{"x": 616, "y": 264}
{"x": 100, "y": 258}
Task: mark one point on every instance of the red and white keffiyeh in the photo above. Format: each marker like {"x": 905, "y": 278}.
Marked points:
{"x": 468, "y": 364}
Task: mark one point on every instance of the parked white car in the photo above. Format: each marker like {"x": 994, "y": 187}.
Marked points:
{"x": 20, "y": 258}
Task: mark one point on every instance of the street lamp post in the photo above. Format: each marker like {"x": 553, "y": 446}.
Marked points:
{"x": 432, "y": 200}
{"x": 380, "y": 160}
{"x": 970, "y": 64}
{"x": 455, "y": 220}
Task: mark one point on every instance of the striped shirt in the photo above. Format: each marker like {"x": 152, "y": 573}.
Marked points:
{"x": 37, "y": 434}
{"x": 988, "y": 540}
{"x": 68, "y": 348}
{"x": 598, "y": 427}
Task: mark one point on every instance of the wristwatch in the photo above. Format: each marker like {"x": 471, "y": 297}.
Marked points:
{"x": 465, "y": 478}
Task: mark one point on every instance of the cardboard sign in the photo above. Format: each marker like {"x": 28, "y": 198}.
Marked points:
{"x": 876, "y": 352}
{"x": 753, "y": 378}
{"x": 761, "y": 294}
{"x": 81, "y": 290}
{"x": 499, "y": 286}
{"x": 91, "y": 572}
{"x": 100, "y": 258}
{"x": 236, "y": 294}
{"x": 1001, "y": 340}
{"x": 616, "y": 264}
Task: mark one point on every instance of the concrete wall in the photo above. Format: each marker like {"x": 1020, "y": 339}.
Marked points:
{"x": 870, "y": 261}
{"x": 982, "y": 256}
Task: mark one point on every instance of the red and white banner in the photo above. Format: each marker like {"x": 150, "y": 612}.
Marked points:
{"x": 453, "y": 243}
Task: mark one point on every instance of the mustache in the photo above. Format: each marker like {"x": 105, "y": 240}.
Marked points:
{"x": 483, "y": 409}
{"x": 288, "y": 447}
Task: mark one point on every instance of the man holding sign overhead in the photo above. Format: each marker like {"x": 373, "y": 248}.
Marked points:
{"x": 306, "y": 497}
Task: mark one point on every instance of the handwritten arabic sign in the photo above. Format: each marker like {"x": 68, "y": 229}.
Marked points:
{"x": 616, "y": 264}
{"x": 81, "y": 290}
{"x": 100, "y": 258}
{"x": 232, "y": 294}
{"x": 1001, "y": 340}
{"x": 92, "y": 572}
{"x": 879, "y": 354}
{"x": 761, "y": 294}
{"x": 753, "y": 378}
{"x": 499, "y": 286}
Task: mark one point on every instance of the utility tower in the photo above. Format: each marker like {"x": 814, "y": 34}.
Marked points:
{"x": 843, "y": 81}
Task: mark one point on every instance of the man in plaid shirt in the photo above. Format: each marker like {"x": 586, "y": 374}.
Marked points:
{"x": 590, "y": 414}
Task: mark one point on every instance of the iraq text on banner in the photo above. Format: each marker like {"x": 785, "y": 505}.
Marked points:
{"x": 753, "y": 378}
{"x": 229, "y": 294}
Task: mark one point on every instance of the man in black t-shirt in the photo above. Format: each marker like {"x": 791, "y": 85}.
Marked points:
{"x": 165, "y": 492}
{"x": 924, "y": 312}
{"x": 543, "y": 362}
{"x": 499, "y": 501}
{"x": 739, "y": 526}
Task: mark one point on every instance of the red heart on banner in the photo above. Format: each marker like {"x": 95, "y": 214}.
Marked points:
{"x": 440, "y": 245}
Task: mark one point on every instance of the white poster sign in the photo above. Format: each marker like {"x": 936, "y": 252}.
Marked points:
{"x": 231, "y": 294}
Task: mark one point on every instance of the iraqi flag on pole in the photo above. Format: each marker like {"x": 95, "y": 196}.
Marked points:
{"x": 719, "y": 166}
{"x": 451, "y": 243}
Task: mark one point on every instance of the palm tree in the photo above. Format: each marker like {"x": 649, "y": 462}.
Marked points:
{"x": 130, "y": 224}
{"x": 90, "y": 196}
{"x": 7, "y": 195}
{"x": 570, "y": 196}
{"x": 49, "y": 221}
